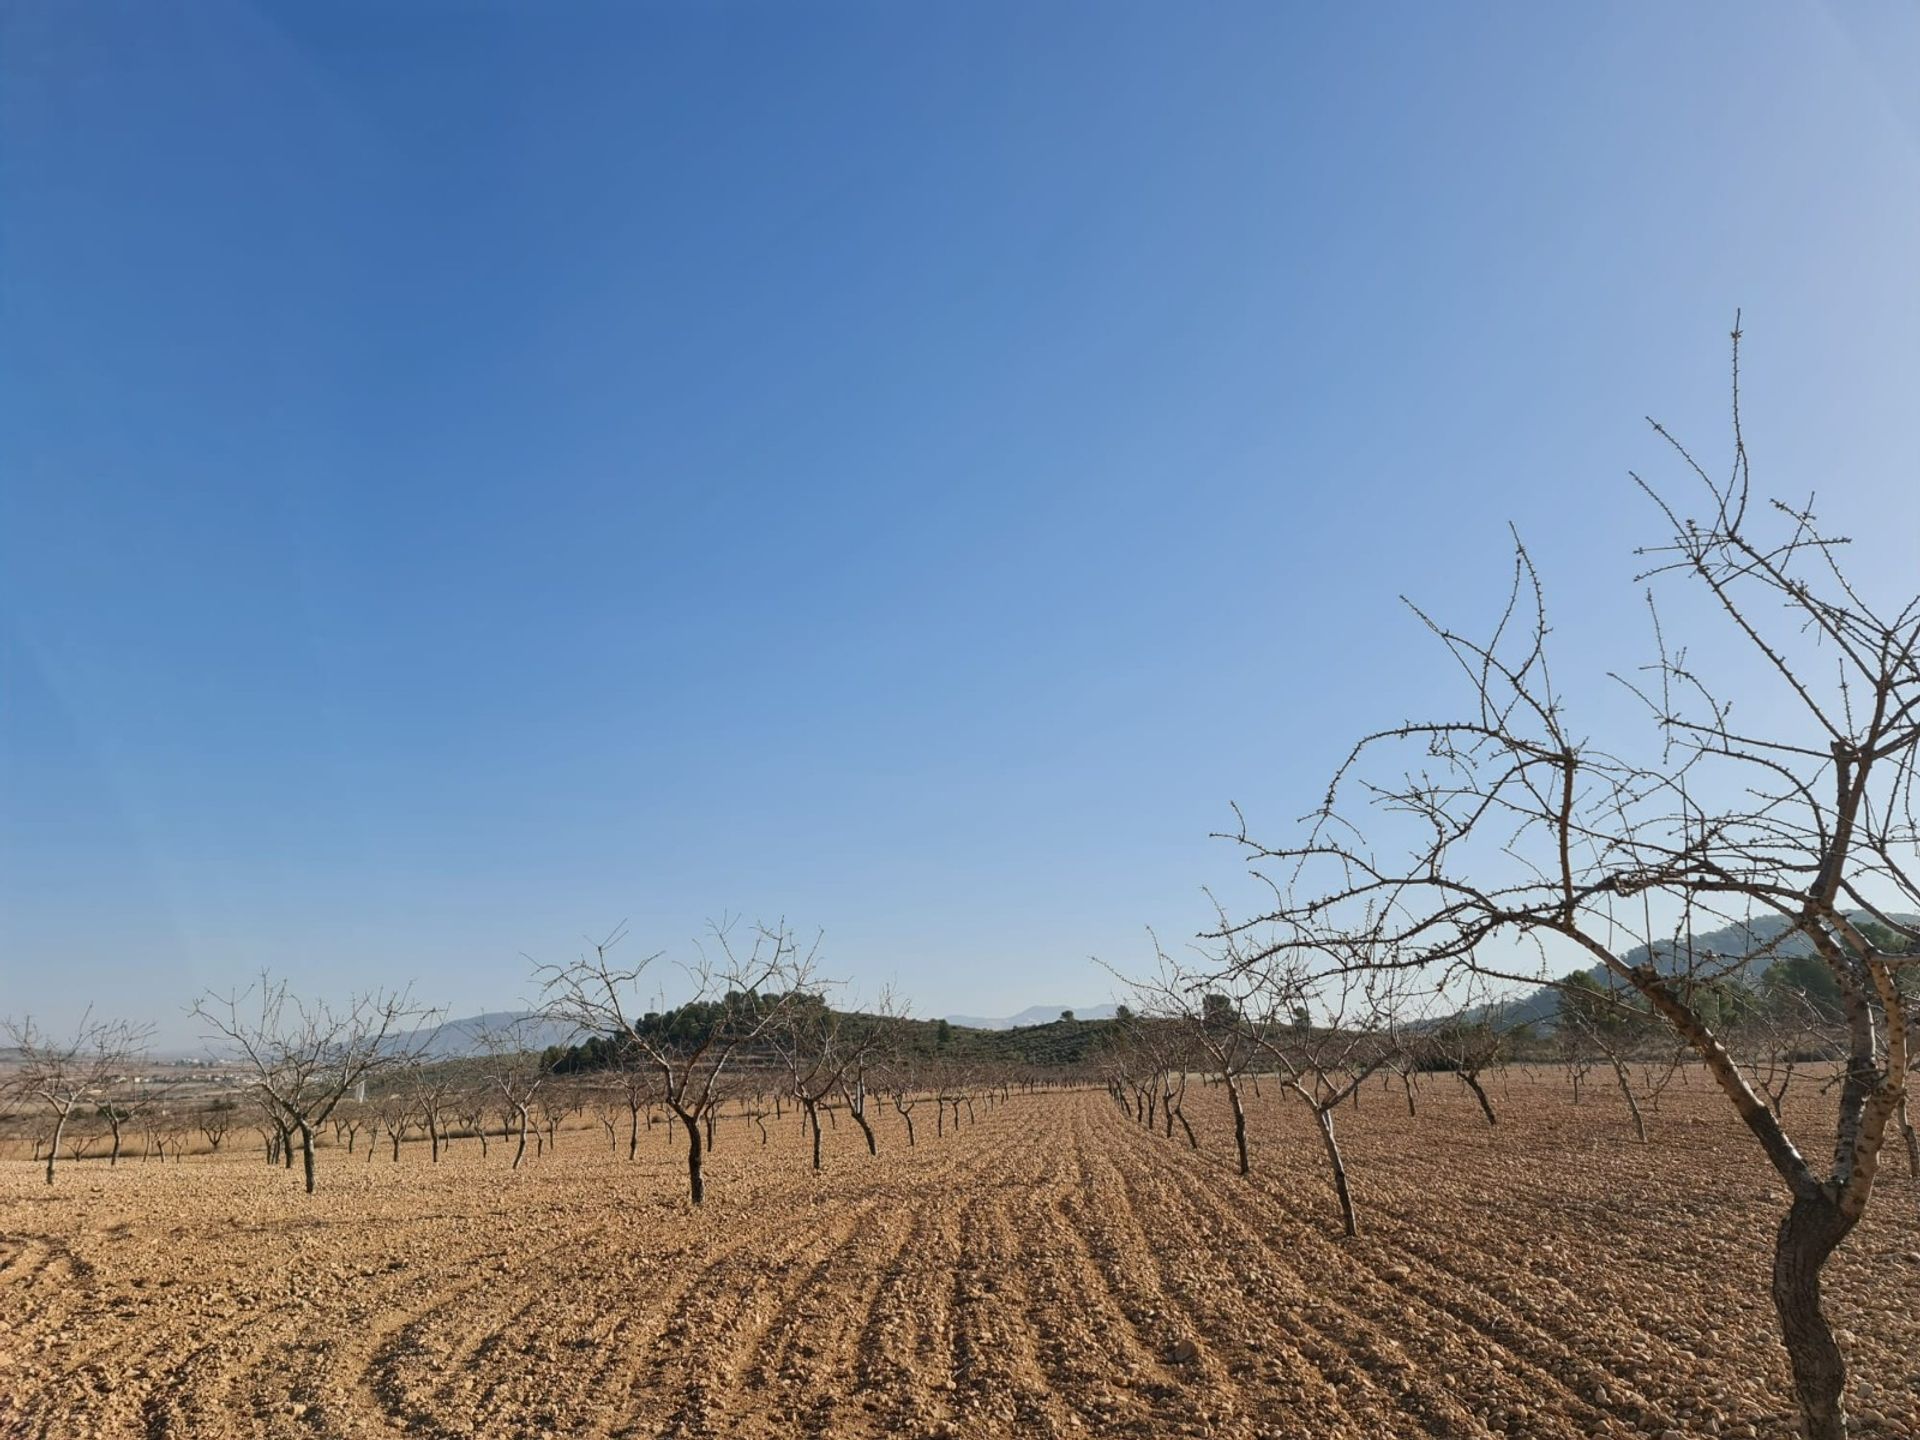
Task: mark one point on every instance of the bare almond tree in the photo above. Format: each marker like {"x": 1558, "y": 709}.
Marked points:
{"x": 431, "y": 1085}
{"x": 637, "y": 1086}
{"x": 870, "y": 1045}
{"x": 393, "y": 1113}
{"x": 825, "y": 1052}
{"x": 513, "y": 1071}
{"x": 737, "y": 993}
{"x": 1324, "y": 1065}
{"x": 557, "y": 1104}
{"x": 1219, "y": 1008}
{"x": 348, "y": 1121}
{"x": 1502, "y": 838}
{"x": 63, "y": 1072}
{"x": 606, "y": 1110}
{"x": 1610, "y": 1023}
{"x": 140, "y": 1101}
{"x": 306, "y": 1056}
{"x": 1464, "y": 1045}
{"x": 899, "y": 1079}
{"x": 470, "y": 1107}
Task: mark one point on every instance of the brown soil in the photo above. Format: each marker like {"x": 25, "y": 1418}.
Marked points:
{"x": 1052, "y": 1270}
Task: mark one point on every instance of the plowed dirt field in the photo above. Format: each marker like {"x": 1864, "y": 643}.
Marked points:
{"x": 1051, "y": 1270}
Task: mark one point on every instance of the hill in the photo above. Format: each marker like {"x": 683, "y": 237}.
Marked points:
{"x": 458, "y": 1039}
{"x": 1756, "y": 944}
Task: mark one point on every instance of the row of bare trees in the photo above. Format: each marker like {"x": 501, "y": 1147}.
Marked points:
{"x": 756, "y": 1027}
{"x": 66, "y": 1076}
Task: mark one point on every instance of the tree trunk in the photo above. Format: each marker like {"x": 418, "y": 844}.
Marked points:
{"x": 633, "y": 1131}
{"x": 306, "y": 1153}
{"x": 1339, "y": 1166}
{"x": 1239, "y": 1123}
{"x": 113, "y": 1123}
{"x": 520, "y": 1150}
{"x": 813, "y": 1119}
{"x": 1633, "y": 1105}
{"x": 866, "y": 1130}
{"x": 694, "y": 1183}
{"x": 1807, "y": 1236}
{"x": 1473, "y": 1083}
{"x": 59, "y": 1125}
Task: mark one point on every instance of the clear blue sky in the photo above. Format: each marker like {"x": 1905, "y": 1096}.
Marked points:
{"x": 469, "y": 474}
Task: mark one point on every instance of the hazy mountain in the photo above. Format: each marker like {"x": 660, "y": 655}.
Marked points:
{"x": 454, "y": 1038}
{"x": 1032, "y": 1015}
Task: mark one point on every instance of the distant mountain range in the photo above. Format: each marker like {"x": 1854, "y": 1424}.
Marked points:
{"x": 1032, "y": 1015}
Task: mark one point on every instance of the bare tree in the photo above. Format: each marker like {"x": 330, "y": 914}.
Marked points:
{"x": 514, "y": 1072}
{"x": 1459, "y": 844}
{"x": 307, "y": 1056}
{"x": 348, "y": 1121}
{"x": 606, "y": 1110}
{"x": 556, "y": 1105}
{"x": 470, "y": 1105}
{"x": 637, "y": 1086}
{"x": 1220, "y": 1008}
{"x": 431, "y": 1086}
{"x": 62, "y": 1072}
{"x": 735, "y": 997}
{"x": 899, "y": 1080}
{"x": 1324, "y": 1065}
{"x": 956, "y": 1083}
{"x": 139, "y": 1101}
{"x": 870, "y": 1047}
{"x": 826, "y": 1052}
{"x": 1465, "y": 1045}
{"x": 1574, "y": 1056}
{"x": 393, "y": 1113}
{"x": 1610, "y": 1022}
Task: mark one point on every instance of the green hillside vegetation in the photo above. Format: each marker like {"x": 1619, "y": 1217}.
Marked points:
{"x": 1781, "y": 970}
{"x": 1061, "y": 1042}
